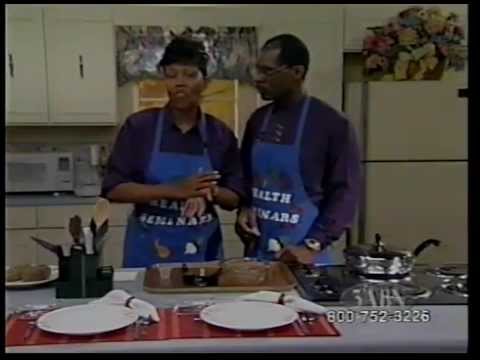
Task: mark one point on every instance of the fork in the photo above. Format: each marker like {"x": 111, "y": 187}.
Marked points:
{"x": 309, "y": 318}
{"x": 32, "y": 325}
{"x": 142, "y": 322}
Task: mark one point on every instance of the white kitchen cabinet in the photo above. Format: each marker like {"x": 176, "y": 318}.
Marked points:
{"x": 19, "y": 248}
{"x": 20, "y": 218}
{"x": 58, "y": 216}
{"x": 112, "y": 252}
{"x": 113, "y": 249}
{"x": 81, "y": 69}
{"x": 25, "y": 72}
{"x": 232, "y": 245}
{"x": 54, "y": 236}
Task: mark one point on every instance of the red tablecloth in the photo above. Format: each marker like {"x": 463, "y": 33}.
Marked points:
{"x": 171, "y": 326}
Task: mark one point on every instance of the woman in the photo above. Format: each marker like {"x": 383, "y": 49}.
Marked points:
{"x": 175, "y": 164}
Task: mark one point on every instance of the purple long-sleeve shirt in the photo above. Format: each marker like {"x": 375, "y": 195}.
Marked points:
{"x": 329, "y": 161}
{"x": 131, "y": 153}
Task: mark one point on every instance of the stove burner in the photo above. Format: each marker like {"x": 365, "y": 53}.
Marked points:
{"x": 449, "y": 271}
{"x": 414, "y": 292}
{"x": 384, "y": 294}
{"x": 324, "y": 288}
{"x": 385, "y": 281}
{"x": 459, "y": 288}
{"x": 383, "y": 277}
{"x": 309, "y": 274}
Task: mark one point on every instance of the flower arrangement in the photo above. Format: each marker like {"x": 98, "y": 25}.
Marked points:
{"x": 418, "y": 44}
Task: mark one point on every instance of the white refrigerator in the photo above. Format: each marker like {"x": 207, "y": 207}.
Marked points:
{"x": 413, "y": 138}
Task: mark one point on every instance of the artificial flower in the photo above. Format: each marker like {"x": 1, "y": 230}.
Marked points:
{"x": 430, "y": 62}
{"x": 392, "y": 26}
{"x": 422, "y": 14}
{"x": 434, "y": 10}
{"x": 375, "y": 61}
{"x": 414, "y": 43}
{"x": 400, "y": 70}
{"x": 404, "y": 56}
{"x": 407, "y": 37}
{"x": 380, "y": 44}
{"x": 435, "y": 24}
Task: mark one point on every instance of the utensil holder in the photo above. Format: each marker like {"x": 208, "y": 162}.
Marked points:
{"x": 81, "y": 277}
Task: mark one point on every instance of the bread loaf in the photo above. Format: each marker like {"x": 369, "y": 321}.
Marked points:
{"x": 242, "y": 272}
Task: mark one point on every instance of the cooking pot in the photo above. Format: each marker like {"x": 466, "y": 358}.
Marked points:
{"x": 375, "y": 260}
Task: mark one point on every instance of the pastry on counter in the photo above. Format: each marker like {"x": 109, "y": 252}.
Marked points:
{"x": 28, "y": 273}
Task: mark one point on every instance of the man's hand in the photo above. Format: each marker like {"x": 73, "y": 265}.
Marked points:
{"x": 193, "y": 187}
{"x": 246, "y": 228}
{"x": 246, "y": 224}
{"x": 297, "y": 254}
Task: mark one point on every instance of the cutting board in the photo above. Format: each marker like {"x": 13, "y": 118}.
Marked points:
{"x": 278, "y": 278}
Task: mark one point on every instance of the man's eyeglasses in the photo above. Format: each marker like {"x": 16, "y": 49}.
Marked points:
{"x": 256, "y": 71}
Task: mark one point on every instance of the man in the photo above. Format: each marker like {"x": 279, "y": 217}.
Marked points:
{"x": 301, "y": 163}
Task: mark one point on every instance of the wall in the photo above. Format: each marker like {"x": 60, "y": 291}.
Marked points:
{"x": 284, "y": 19}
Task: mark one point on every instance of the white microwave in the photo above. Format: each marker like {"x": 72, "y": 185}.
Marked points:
{"x": 39, "y": 172}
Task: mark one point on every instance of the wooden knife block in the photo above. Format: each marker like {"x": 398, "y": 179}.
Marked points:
{"x": 81, "y": 277}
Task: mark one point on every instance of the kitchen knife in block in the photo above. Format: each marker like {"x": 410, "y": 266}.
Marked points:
{"x": 99, "y": 222}
{"x": 75, "y": 229}
{"x": 100, "y": 237}
{"x": 56, "y": 249}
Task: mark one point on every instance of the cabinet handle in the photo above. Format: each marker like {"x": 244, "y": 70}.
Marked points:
{"x": 11, "y": 66}
{"x": 80, "y": 60}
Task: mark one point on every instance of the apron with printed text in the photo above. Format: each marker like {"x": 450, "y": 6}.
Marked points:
{"x": 158, "y": 233}
{"x": 285, "y": 212}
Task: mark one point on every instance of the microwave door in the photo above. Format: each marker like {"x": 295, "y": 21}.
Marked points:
{"x": 25, "y": 176}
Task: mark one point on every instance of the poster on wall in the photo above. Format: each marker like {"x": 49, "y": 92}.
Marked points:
{"x": 140, "y": 48}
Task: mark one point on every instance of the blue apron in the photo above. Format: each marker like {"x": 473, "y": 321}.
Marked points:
{"x": 284, "y": 210}
{"x": 157, "y": 233}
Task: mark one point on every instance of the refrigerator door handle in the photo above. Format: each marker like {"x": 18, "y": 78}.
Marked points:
{"x": 463, "y": 93}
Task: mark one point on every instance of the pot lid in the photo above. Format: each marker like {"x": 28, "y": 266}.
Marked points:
{"x": 377, "y": 250}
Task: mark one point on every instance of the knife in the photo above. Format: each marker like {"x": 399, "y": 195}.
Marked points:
{"x": 100, "y": 223}
{"x": 100, "y": 237}
{"x": 56, "y": 249}
{"x": 89, "y": 250}
{"x": 75, "y": 228}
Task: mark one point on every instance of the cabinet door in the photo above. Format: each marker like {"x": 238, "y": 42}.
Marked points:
{"x": 113, "y": 248}
{"x": 81, "y": 68}
{"x": 54, "y": 236}
{"x": 25, "y": 71}
{"x": 19, "y": 248}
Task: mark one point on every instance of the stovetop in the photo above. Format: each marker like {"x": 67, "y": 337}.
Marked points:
{"x": 426, "y": 285}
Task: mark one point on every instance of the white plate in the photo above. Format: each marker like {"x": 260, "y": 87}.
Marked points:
{"x": 248, "y": 315}
{"x": 26, "y": 284}
{"x": 87, "y": 319}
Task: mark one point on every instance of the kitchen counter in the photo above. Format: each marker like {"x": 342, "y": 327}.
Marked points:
{"x": 447, "y": 331}
{"x": 63, "y": 199}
